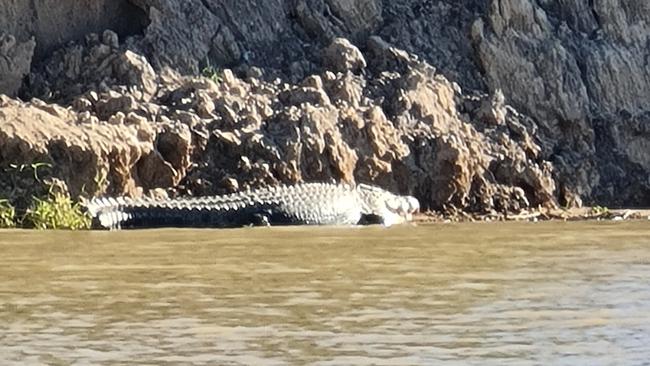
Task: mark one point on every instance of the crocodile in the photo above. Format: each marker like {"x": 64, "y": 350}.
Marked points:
{"x": 300, "y": 204}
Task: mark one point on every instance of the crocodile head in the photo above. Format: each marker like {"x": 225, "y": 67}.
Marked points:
{"x": 390, "y": 208}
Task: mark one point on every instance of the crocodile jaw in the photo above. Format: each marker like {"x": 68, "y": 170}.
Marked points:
{"x": 393, "y": 209}
{"x": 400, "y": 209}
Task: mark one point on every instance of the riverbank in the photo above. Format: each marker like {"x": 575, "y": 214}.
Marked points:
{"x": 471, "y": 107}
{"x": 573, "y": 214}
{"x": 60, "y": 212}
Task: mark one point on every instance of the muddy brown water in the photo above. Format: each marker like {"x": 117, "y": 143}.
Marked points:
{"x": 442, "y": 294}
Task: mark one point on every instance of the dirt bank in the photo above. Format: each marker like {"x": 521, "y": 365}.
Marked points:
{"x": 484, "y": 107}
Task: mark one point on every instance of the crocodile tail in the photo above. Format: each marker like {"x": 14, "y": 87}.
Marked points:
{"x": 125, "y": 213}
{"x": 122, "y": 212}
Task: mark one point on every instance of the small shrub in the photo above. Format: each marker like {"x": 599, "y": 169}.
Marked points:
{"x": 212, "y": 73}
{"x": 7, "y": 215}
{"x": 57, "y": 212}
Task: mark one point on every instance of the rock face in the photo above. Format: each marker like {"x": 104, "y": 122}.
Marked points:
{"x": 15, "y": 60}
{"x": 234, "y": 32}
{"x": 580, "y": 70}
{"x": 484, "y": 105}
{"x": 53, "y": 22}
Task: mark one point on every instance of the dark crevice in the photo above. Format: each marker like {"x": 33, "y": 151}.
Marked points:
{"x": 594, "y": 13}
{"x": 59, "y": 28}
{"x": 581, "y": 63}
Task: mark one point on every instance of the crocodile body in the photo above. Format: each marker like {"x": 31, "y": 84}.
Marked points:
{"x": 302, "y": 204}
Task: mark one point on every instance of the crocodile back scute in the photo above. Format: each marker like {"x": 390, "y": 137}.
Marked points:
{"x": 303, "y": 204}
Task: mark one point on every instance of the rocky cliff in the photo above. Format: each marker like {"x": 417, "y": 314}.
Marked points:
{"x": 484, "y": 106}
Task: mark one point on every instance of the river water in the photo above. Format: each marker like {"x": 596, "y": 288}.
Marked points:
{"x": 443, "y": 294}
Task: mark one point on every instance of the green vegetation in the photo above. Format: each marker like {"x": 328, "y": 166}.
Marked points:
{"x": 7, "y": 215}
{"x": 599, "y": 210}
{"x": 36, "y": 199}
{"x": 56, "y": 212}
{"x": 212, "y": 73}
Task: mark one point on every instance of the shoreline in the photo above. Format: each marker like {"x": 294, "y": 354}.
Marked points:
{"x": 458, "y": 105}
{"x": 595, "y": 213}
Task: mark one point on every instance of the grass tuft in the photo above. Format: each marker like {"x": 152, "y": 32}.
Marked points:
{"x": 7, "y": 215}
{"x": 57, "y": 212}
{"x": 212, "y": 73}
{"x": 599, "y": 210}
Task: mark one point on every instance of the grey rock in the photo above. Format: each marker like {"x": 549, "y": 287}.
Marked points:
{"x": 15, "y": 62}
{"x": 343, "y": 56}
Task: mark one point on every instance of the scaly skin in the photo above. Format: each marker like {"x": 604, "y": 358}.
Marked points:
{"x": 302, "y": 204}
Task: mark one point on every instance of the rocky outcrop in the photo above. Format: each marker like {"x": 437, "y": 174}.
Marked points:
{"x": 406, "y": 128}
{"x": 573, "y": 67}
{"x": 88, "y": 154}
{"x": 579, "y": 69}
{"x": 343, "y": 56}
{"x": 480, "y": 105}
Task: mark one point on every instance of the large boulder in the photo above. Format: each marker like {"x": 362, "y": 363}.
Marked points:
{"x": 343, "y": 56}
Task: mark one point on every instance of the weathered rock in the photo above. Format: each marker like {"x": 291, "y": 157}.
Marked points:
{"x": 15, "y": 61}
{"x": 97, "y": 67}
{"x": 402, "y": 130}
{"x": 53, "y": 22}
{"x": 328, "y": 19}
{"x": 90, "y": 156}
{"x": 348, "y": 89}
{"x": 591, "y": 67}
{"x": 451, "y": 160}
{"x": 302, "y": 95}
{"x": 134, "y": 70}
{"x": 493, "y": 111}
{"x": 343, "y": 56}
{"x": 113, "y": 103}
